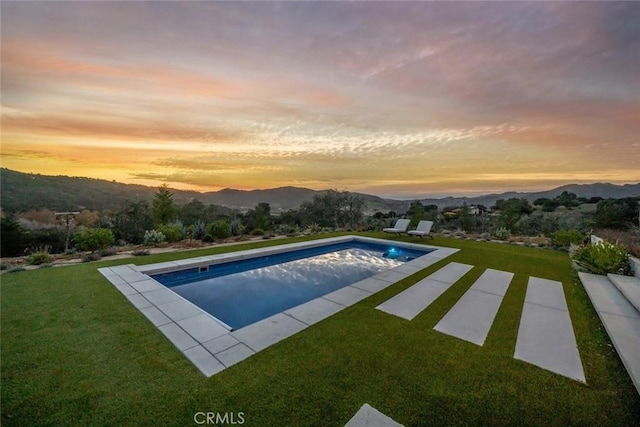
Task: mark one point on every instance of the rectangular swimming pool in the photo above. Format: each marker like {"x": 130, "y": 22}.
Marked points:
{"x": 326, "y": 273}
{"x": 242, "y": 292}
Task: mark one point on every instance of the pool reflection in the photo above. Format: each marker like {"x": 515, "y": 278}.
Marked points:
{"x": 243, "y": 298}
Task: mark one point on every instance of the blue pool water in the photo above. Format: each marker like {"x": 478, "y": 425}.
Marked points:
{"x": 243, "y": 292}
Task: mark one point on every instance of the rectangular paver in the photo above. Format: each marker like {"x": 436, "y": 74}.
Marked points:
{"x": 471, "y": 317}
{"x": 161, "y": 296}
{"x": 372, "y": 285}
{"x": 234, "y": 354}
{"x": 451, "y": 272}
{"x": 269, "y": 331}
{"x": 314, "y": 311}
{"x": 220, "y": 343}
{"x": 545, "y": 336}
{"x": 347, "y": 296}
{"x": 204, "y": 361}
{"x": 368, "y": 416}
{"x": 177, "y": 336}
{"x": 202, "y": 327}
{"x": 155, "y": 316}
{"x": 412, "y": 301}
{"x": 179, "y": 309}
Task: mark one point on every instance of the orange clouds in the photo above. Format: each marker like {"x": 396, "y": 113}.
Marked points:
{"x": 428, "y": 97}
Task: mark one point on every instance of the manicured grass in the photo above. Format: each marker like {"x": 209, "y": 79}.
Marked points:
{"x": 75, "y": 351}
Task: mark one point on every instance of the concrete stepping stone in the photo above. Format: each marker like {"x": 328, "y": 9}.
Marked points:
{"x": 472, "y": 316}
{"x": 545, "y": 335}
{"x": 368, "y": 416}
{"x": 412, "y": 301}
{"x": 620, "y": 320}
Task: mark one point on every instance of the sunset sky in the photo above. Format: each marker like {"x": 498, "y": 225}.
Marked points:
{"x": 397, "y": 99}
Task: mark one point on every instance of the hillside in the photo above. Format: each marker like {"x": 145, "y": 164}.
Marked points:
{"x": 21, "y": 192}
{"x": 604, "y": 190}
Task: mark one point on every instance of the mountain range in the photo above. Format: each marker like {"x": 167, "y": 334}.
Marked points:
{"x": 20, "y": 192}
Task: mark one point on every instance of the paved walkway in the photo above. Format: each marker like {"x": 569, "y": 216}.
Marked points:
{"x": 412, "y": 301}
{"x": 545, "y": 336}
{"x": 620, "y": 318}
{"x": 472, "y": 316}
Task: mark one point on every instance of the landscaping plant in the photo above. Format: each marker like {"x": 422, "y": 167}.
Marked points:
{"x": 603, "y": 258}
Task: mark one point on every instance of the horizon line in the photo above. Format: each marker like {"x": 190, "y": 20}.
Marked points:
{"x": 395, "y": 198}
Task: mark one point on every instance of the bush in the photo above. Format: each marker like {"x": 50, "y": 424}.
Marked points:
{"x": 93, "y": 256}
{"x": 38, "y": 258}
{"x": 140, "y": 252}
{"x": 93, "y": 239}
{"x": 257, "y": 232}
{"x": 219, "y": 229}
{"x": 603, "y": 258}
{"x": 172, "y": 233}
{"x": 502, "y": 233}
{"x": 237, "y": 229}
{"x": 208, "y": 238}
{"x": 566, "y": 238}
{"x": 109, "y": 251}
{"x": 199, "y": 230}
{"x": 153, "y": 238}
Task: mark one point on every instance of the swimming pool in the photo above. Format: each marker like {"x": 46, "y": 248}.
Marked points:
{"x": 209, "y": 343}
{"x": 243, "y": 292}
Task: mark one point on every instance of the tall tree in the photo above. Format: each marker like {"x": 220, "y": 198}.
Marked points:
{"x": 163, "y": 208}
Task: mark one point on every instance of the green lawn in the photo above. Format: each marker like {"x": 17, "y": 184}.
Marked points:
{"x": 75, "y": 351}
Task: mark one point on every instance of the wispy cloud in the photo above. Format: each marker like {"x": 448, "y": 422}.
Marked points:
{"x": 413, "y": 98}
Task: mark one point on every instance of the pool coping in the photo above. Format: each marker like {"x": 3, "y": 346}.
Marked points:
{"x": 213, "y": 346}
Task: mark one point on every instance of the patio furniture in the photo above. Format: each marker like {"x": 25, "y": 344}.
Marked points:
{"x": 400, "y": 226}
{"x": 423, "y": 229}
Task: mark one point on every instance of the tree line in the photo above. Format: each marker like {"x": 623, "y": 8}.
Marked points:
{"x": 165, "y": 220}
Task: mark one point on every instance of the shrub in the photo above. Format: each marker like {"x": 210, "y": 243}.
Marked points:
{"x": 219, "y": 229}
{"x": 172, "y": 233}
{"x": 140, "y": 252}
{"x": 237, "y": 229}
{"x": 257, "y": 232}
{"x": 199, "y": 230}
{"x": 208, "y": 238}
{"x": 4, "y": 266}
{"x": 92, "y": 256}
{"x": 153, "y": 238}
{"x": 603, "y": 258}
{"x": 565, "y": 238}
{"x": 93, "y": 239}
{"x": 502, "y": 233}
{"x": 39, "y": 258}
{"x": 109, "y": 251}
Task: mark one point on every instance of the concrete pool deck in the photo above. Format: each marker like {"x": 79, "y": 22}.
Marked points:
{"x": 210, "y": 344}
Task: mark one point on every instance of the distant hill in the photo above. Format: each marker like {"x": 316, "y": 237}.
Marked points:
{"x": 20, "y": 192}
{"x": 604, "y": 190}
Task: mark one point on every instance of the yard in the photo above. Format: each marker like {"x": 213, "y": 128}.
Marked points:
{"x": 75, "y": 351}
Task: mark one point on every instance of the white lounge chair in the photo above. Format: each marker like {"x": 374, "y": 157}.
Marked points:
{"x": 423, "y": 229}
{"x": 400, "y": 226}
